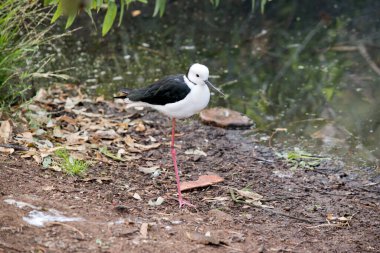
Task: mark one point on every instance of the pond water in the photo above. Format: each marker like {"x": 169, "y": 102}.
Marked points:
{"x": 311, "y": 68}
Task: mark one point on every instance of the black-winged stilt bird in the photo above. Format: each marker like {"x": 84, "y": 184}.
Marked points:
{"x": 177, "y": 96}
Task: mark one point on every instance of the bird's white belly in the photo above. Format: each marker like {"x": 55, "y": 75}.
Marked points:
{"x": 193, "y": 103}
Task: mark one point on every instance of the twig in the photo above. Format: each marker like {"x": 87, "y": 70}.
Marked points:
{"x": 364, "y": 53}
{"x": 271, "y": 210}
{"x": 274, "y": 132}
{"x": 342, "y": 48}
{"x": 68, "y": 226}
{"x": 262, "y": 159}
{"x": 14, "y": 146}
{"x": 233, "y": 249}
{"x": 339, "y": 224}
{"x": 151, "y": 50}
{"x": 228, "y": 83}
{"x": 327, "y": 225}
{"x": 281, "y": 198}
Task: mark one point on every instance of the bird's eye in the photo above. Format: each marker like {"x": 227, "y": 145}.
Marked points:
{"x": 197, "y": 75}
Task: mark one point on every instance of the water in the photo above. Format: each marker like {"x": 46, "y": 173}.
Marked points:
{"x": 308, "y": 67}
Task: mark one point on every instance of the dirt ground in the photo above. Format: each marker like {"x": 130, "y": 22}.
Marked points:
{"x": 114, "y": 221}
{"x": 322, "y": 210}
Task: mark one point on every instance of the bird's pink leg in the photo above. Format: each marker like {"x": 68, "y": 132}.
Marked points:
{"x": 180, "y": 199}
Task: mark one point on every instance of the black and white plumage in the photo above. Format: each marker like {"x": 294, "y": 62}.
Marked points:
{"x": 177, "y": 96}
{"x": 168, "y": 90}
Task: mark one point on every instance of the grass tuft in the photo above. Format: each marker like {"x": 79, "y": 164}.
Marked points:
{"x": 71, "y": 165}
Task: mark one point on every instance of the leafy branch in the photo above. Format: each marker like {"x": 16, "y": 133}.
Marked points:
{"x": 71, "y": 8}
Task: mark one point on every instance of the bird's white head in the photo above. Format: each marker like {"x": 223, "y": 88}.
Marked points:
{"x": 198, "y": 75}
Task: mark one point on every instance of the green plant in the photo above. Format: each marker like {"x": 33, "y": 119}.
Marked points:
{"x": 14, "y": 49}
{"x": 301, "y": 159}
{"x": 22, "y": 32}
{"x": 71, "y": 8}
{"x": 71, "y": 165}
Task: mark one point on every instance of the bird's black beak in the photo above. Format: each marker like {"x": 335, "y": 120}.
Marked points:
{"x": 209, "y": 84}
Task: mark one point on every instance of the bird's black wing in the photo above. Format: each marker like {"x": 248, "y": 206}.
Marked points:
{"x": 167, "y": 90}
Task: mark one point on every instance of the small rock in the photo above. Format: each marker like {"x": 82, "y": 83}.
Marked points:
{"x": 224, "y": 117}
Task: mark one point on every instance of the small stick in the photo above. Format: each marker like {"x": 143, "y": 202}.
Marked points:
{"x": 327, "y": 225}
{"x": 68, "y": 226}
{"x": 271, "y": 210}
{"x": 371, "y": 63}
{"x": 14, "y": 146}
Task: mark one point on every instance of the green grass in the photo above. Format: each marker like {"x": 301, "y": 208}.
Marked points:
{"x": 22, "y": 31}
{"x": 71, "y": 165}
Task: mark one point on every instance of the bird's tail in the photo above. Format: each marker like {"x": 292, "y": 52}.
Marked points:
{"x": 125, "y": 92}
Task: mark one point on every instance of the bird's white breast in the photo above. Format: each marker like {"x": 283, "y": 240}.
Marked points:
{"x": 197, "y": 99}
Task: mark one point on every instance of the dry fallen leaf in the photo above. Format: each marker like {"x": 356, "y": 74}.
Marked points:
{"x": 71, "y": 102}
{"x": 5, "y": 131}
{"x": 158, "y": 202}
{"x": 30, "y": 153}
{"x": 131, "y": 158}
{"x": 136, "y": 196}
{"x": 67, "y": 119}
{"x": 41, "y": 96}
{"x": 204, "y": 180}
{"x": 340, "y": 221}
{"x": 76, "y": 138}
{"x": 7, "y": 150}
{"x": 51, "y": 123}
{"x": 195, "y": 152}
{"x": 107, "y": 134}
{"x": 148, "y": 170}
{"x": 249, "y": 194}
{"x": 37, "y": 158}
{"x": 251, "y": 198}
{"x": 25, "y": 137}
{"x": 129, "y": 141}
{"x": 146, "y": 147}
{"x": 57, "y": 132}
{"x": 331, "y": 217}
{"x": 77, "y": 147}
{"x": 140, "y": 127}
{"x": 87, "y": 114}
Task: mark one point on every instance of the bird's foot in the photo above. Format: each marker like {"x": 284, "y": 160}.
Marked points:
{"x": 183, "y": 202}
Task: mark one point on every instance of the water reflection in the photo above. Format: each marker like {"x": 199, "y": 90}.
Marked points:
{"x": 299, "y": 66}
